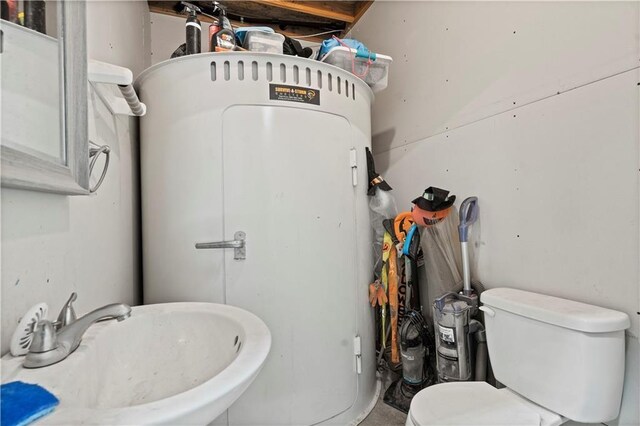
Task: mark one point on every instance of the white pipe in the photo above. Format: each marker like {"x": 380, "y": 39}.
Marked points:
{"x": 466, "y": 273}
{"x": 102, "y": 72}
{"x": 137, "y": 107}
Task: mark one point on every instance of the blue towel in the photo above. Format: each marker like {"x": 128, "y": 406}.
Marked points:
{"x": 23, "y": 403}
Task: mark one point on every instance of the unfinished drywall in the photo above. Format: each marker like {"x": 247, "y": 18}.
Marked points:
{"x": 52, "y": 244}
{"x": 168, "y": 33}
{"x": 534, "y": 108}
{"x": 459, "y": 62}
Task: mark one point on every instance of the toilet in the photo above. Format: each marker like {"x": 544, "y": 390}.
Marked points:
{"x": 559, "y": 360}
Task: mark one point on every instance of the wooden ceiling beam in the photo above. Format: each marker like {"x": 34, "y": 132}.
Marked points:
{"x": 347, "y": 12}
{"x": 155, "y": 8}
{"x": 361, "y": 8}
{"x": 310, "y": 8}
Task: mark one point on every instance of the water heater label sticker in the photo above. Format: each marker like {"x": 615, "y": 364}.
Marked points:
{"x": 446, "y": 334}
{"x": 303, "y": 95}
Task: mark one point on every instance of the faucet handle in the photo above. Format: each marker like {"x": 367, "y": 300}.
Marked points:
{"x": 45, "y": 338}
{"x": 67, "y": 314}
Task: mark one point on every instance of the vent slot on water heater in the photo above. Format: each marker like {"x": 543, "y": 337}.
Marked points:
{"x": 222, "y": 71}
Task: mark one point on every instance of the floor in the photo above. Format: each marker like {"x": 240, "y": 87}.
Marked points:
{"x": 384, "y": 415}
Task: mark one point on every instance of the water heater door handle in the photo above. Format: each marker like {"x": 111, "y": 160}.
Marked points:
{"x": 238, "y": 244}
{"x": 488, "y": 311}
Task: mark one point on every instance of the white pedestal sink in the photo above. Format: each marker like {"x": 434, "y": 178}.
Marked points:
{"x": 173, "y": 363}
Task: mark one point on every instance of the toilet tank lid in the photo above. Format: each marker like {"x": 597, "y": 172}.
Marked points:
{"x": 554, "y": 310}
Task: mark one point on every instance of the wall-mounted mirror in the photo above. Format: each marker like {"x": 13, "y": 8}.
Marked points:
{"x": 43, "y": 61}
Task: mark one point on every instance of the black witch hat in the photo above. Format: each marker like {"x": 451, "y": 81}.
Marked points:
{"x": 375, "y": 180}
{"x": 434, "y": 199}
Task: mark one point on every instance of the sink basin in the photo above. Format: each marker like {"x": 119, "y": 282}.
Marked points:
{"x": 172, "y": 363}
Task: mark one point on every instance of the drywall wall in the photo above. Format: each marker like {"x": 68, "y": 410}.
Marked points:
{"x": 53, "y": 245}
{"x": 459, "y": 62}
{"x": 534, "y": 108}
{"x": 168, "y": 33}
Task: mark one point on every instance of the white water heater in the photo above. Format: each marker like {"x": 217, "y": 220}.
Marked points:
{"x": 266, "y": 153}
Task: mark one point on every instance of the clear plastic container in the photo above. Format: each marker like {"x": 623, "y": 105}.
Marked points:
{"x": 260, "y": 41}
{"x": 376, "y": 76}
{"x": 413, "y": 364}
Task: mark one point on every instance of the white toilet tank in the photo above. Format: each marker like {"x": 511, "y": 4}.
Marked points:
{"x": 563, "y": 355}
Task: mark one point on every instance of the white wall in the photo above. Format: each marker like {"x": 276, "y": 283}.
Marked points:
{"x": 534, "y": 108}
{"x": 168, "y": 33}
{"x": 53, "y": 245}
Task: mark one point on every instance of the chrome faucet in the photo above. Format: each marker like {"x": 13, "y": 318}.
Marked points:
{"x": 67, "y": 314}
{"x": 53, "y": 342}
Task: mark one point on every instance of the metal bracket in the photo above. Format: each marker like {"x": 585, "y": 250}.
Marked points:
{"x": 357, "y": 351}
{"x": 238, "y": 244}
{"x": 240, "y": 253}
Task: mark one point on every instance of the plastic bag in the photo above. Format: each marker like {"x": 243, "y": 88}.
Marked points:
{"x": 442, "y": 260}
{"x": 382, "y": 206}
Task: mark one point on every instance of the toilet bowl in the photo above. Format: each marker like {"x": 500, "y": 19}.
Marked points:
{"x": 476, "y": 403}
{"x": 549, "y": 353}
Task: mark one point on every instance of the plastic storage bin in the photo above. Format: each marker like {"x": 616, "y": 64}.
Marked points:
{"x": 378, "y": 75}
{"x": 260, "y": 41}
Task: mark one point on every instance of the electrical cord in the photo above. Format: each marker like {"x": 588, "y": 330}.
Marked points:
{"x": 94, "y": 153}
{"x": 318, "y": 34}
